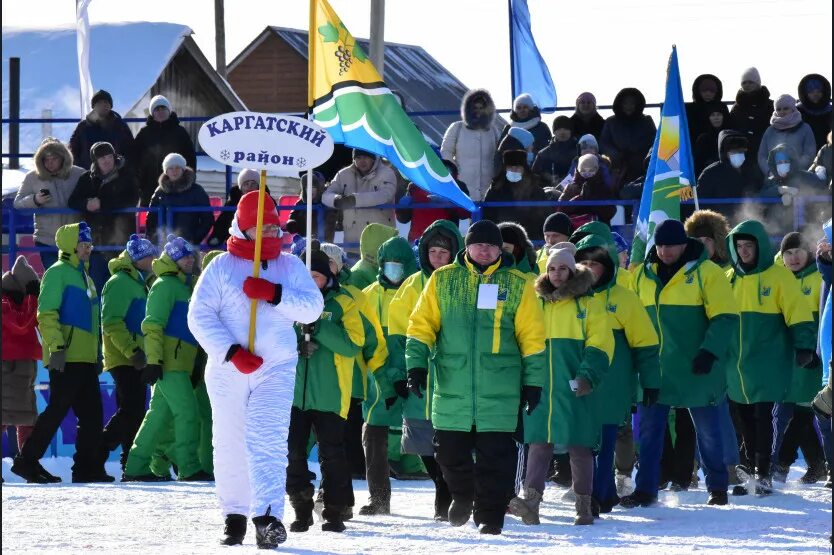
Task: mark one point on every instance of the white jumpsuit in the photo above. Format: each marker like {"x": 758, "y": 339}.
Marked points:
{"x": 251, "y": 413}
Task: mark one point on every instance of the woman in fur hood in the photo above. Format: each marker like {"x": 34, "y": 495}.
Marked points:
{"x": 178, "y": 187}
{"x": 579, "y": 346}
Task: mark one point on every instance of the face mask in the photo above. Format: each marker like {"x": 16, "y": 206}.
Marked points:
{"x": 530, "y": 157}
{"x": 588, "y": 175}
{"x": 393, "y": 271}
{"x": 783, "y": 169}
{"x": 737, "y": 159}
{"x": 513, "y": 177}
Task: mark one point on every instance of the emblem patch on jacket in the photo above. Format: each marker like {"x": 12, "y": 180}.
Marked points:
{"x": 690, "y": 279}
{"x": 806, "y": 291}
{"x": 612, "y": 308}
{"x": 503, "y": 291}
{"x": 326, "y": 316}
{"x": 765, "y": 291}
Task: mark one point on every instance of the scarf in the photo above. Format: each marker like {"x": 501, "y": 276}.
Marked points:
{"x": 245, "y": 248}
{"x": 786, "y": 122}
{"x": 527, "y": 124}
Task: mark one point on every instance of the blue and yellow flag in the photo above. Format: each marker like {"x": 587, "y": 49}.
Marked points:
{"x": 671, "y": 173}
{"x": 349, "y": 99}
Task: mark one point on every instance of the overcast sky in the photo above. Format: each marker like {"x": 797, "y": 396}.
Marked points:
{"x": 599, "y": 46}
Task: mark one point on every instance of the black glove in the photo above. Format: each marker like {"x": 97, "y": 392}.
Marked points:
{"x": 650, "y": 396}
{"x": 806, "y": 358}
{"x": 308, "y": 348}
{"x": 33, "y": 287}
{"x": 139, "y": 360}
{"x": 389, "y": 402}
{"x": 348, "y": 202}
{"x": 417, "y": 378}
{"x": 703, "y": 361}
{"x": 401, "y": 387}
{"x": 57, "y": 360}
{"x": 151, "y": 373}
{"x": 308, "y": 328}
{"x": 530, "y": 395}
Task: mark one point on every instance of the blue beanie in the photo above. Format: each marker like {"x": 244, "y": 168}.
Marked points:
{"x": 177, "y": 248}
{"x": 522, "y": 136}
{"x": 139, "y": 248}
{"x": 85, "y": 234}
{"x": 670, "y": 232}
{"x": 622, "y": 244}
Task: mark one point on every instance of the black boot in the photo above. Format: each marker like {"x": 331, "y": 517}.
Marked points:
{"x": 490, "y": 529}
{"x": 717, "y": 498}
{"x": 302, "y": 504}
{"x": 199, "y": 476}
{"x": 459, "y": 511}
{"x": 50, "y": 478}
{"x": 442, "y": 500}
{"x": 379, "y": 504}
{"x": 333, "y": 522}
{"x": 96, "y": 477}
{"x": 28, "y": 470}
{"x": 561, "y": 471}
{"x": 637, "y": 499}
{"x": 145, "y": 478}
{"x": 235, "y": 530}
{"x": 269, "y": 532}
{"x": 816, "y": 472}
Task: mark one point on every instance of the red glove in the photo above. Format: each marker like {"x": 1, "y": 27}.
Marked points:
{"x": 244, "y": 361}
{"x": 262, "y": 290}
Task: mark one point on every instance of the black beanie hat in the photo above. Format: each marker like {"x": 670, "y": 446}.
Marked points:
{"x": 563, "y": 122}
{"x": 359, "y": 152}
{"x": 558, "y": 222}
{"x": 100, "y": 149}
{"x": 440, "y": 240}
{"x": 320, "y": 262}
{"x": 515, "y": 158}
{"x": 670, "y": 232}
{"x": 101, "y": 95}
{"x": 793, "y": 240}
{"x": 484, "y": 231}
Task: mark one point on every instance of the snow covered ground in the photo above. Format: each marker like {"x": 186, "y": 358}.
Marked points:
{"x": 184, "y": 518}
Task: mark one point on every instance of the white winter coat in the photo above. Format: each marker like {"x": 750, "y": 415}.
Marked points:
{"x": 473, "y": 151}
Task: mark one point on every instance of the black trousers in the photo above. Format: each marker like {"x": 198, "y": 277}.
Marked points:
{"x": 801, "y": 434}
{"x": 678, "y": 458}
{"x": 131, "y": 396}
{"x": 353, "y": 439}
{"x": 75, "y": 388}
{"x": 489, "y": 480}
{"x": 442, "y": 497}
{"x": 757, "y": 433}
{"x": 335, "y": 475}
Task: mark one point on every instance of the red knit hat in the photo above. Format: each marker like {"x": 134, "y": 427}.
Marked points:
{"x": 247, "y": 211}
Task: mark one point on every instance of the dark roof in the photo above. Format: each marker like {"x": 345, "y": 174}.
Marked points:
{"x": 409, "y": 70}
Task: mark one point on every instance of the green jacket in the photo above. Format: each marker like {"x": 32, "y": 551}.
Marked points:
{"x": 122, "y": 311}
{"x": 636, "y": 346}
{"x": 68, "y": 304}
{"x": 168, "y": 341}
{"x": 379, "y": 295}
{"x": 415, "y": 408}
{"x": 806, "y": 382}
{"x": 579, "y": 343}
{"x": 694, "y": 310}
{"x": 365, "y": 271}
{"x": 483, "y": 356}
{"x": 775, "y": 321}
{"x": 323, "y": 382}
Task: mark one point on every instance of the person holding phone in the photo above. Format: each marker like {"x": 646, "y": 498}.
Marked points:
{"x": 49, "y": 186}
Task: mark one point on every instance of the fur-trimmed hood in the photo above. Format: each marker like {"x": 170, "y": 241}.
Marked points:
{"x": 56, "y": 148}
{"x": 579, "y": 284}
{"x": 466, "y": 109}
{"x": 708, "y": 223}
{"x": 181, "y": 185}
{"x": 515, "y": 234}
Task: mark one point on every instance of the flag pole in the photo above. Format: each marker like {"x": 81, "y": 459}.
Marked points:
{"x": 256, "y": 262}
{"x": 311, "y": 53}
{"x": 512, "y": 56}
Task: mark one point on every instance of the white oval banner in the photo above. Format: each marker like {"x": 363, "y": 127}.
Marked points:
{"x": 280, "y": 144}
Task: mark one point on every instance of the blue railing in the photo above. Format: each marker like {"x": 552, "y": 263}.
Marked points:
{"x": 12, "y": 216}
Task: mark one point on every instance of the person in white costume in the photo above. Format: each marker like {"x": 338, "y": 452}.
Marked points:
{"x": 251, "y": 389}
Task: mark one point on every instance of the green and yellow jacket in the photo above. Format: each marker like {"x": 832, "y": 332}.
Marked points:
{"x": 579, "y": 343}
{"x": 403, "y": 305}
{"x": 380, "y": 294}
{"x": 482, "y": 357}
{"x": 806, "y": 382}
{"x": 324, "y": 381}
{"x": 694, "y": 310}
{"x": 636, "y": 346}
{"x": 365, "y": 271}
{"x": 123, "y": 301}
{"x": 68, "y": 304}
{"x": 775, "y": 321}
{"x": 168, "y": 341}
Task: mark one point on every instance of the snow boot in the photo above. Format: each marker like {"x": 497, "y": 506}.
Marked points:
{"x": 92, "y": 478}
{"x": 459, "y": 511}
{"x": 561, "y": 471}
{"x": 717, "y": 498}
{"x": 779, "y": 473}
{"x": 677, "y": 488}
{"x": 732, "y": 475}
{"x": 569, "y": 496}
{"x": 379, "y": 504}
{"x": 625, "y": 485}
{"x": 199, "y": 476}
{"x": 442, "y": 500}
{"x": 145, "y": 478}
{"x": 269, "y": 532}
{"x": 49, "y": 477}
{"x": 816, "y": 472}
{"x": 333, "y": 522}
{"x": 606, "y": 505}
{"x": 235, "y": 530}
{"x": 584, "y": 514}
{"x": 637, "y": 499}
{"x": 764, "y": 485}
{"x": 302, "y": 504}
{"x": 527, "y": 509}
{"x": 490, "y": 529}
{"x": 28, "y": 470}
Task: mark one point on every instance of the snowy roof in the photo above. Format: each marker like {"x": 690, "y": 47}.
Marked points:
{"x": 126, "y": 59}
{"x": 409, "y": 70}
